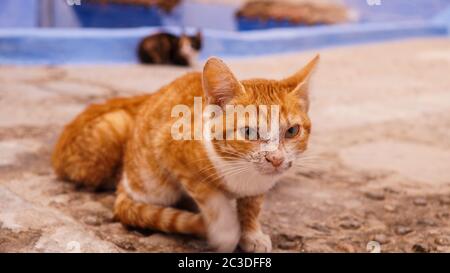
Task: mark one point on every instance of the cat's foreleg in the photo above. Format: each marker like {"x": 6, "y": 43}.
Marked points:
{"x": 220, "y": 217}
{"x": 252, "y": 238}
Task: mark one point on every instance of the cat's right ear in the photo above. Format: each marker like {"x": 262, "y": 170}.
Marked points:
{"x": 299, "y": 82}
{"x": 199, "y": 35}
{"x": 219, "y": 84}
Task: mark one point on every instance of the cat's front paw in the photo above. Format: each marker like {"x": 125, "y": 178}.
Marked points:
{"x": 255, "y": 241}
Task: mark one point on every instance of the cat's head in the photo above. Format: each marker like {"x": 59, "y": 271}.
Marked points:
{"x": 269, "y": 152}
{"x": 194, "y": 41}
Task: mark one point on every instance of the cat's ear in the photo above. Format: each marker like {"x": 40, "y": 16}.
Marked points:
{"x": 219, "y": 83}
{"x": 302, "y": 76}
{"x": 299, "y": 82}
{"x": 199, "y": 35}
{"x": 183, "y": 32}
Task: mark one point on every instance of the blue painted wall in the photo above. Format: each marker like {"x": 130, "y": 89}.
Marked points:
{"x": 117, "y": 15}
{"x": 119, "y": 46}
{"x": 19, "y": 13}
{"x": 57, "y": 13}
{"x": 211, "y": 16}
{"x": 443, "y": 18}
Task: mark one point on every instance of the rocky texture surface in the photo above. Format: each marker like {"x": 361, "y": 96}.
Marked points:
{"x": 378, "y": 165}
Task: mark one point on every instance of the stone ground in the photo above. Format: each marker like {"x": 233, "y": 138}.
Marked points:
{"x": 379, "y": 165}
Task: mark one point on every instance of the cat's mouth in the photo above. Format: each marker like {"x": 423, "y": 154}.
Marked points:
{"x": 271, "y": 170}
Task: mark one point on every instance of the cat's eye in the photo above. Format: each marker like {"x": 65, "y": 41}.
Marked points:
{"x": 250, "y": 133}
{"x": 292, "y": 131}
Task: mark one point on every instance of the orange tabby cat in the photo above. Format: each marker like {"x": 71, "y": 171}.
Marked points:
{"x": 131, "y": 138}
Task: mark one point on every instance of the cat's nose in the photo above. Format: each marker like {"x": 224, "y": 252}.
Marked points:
{"x": 276, "y": 160}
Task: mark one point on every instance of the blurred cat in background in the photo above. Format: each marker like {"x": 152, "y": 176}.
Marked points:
{"x": 167, "y": 48}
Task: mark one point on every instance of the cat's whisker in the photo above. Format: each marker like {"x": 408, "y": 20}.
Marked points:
{"x": 214, "y": 157}
{"x": 235, "y": 153}
{"x": 309, "y": 162}
{"x": 307, "y": 167}
{"x": 235, "y": 172}
{"x": 214, "y": 167}
{"x": 225, "y": 166}
{"x": 310, "y": 157}
{"x": 307, "y": 158}
{"x": 226, "y": 171}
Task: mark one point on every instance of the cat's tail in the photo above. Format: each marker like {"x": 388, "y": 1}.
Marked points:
{"x": 90, "y": 149}
{"x": 166, "y": 219}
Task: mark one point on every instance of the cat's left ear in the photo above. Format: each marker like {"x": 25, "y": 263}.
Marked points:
{"x": 299, "y": 82}
{"x": 219, "y": 83}
{"x": 199, "y": 35}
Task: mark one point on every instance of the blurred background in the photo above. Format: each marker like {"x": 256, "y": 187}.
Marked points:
{"x": 213, "y": 14}
{"x": 83, "y": 28}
